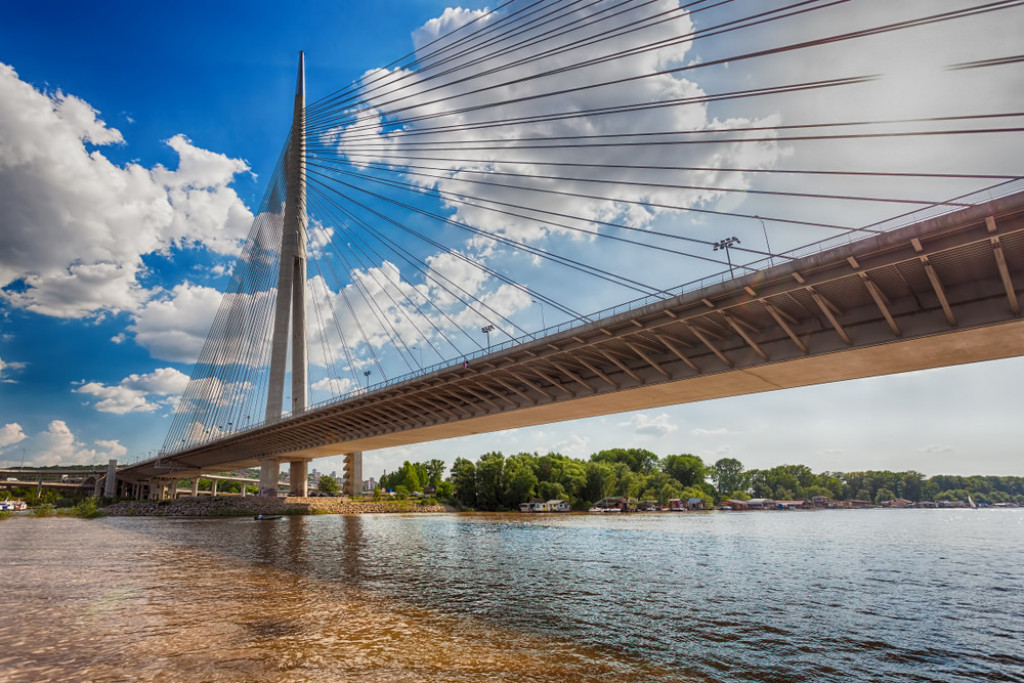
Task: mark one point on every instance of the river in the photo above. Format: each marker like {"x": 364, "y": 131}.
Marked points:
{"x": 879, "y": 595}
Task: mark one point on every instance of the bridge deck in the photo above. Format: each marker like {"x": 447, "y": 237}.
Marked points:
{"x": 940, "y": 292}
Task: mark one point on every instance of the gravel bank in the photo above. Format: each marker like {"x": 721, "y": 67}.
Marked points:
{"x": 231, "y": 506}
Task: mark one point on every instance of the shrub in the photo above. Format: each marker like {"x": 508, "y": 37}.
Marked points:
{"x": 88, "y": 509}
{"x": 44, "y": 510}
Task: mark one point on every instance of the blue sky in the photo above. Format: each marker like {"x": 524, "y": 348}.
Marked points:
{"x": 102, "y": 312}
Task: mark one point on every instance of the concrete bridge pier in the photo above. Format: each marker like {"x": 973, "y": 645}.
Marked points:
{"x": 110, "y": 485}
{"x": 298, "y": 476}
{"x": 270, "y": 474}
{"x": 195, "y": 486}
{"x": 213, "y": 488}
{"x": 352, "y": 479}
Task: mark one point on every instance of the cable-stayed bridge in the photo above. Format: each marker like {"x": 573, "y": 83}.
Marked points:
{"x": 546, "y": 158}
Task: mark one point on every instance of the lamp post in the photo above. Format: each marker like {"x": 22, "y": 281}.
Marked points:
{"x": 543, "y": 325}
{"x": 725, "y": 244}
{"x": 771, "y": 258}
{"x": 487, "y": 329}
{"x": 366, "y": 374}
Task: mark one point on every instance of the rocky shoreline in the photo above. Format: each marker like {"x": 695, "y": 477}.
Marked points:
{"x": 236, "y": 506}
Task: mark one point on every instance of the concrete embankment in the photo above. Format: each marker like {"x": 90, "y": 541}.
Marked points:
{"x": 232, "y": 506}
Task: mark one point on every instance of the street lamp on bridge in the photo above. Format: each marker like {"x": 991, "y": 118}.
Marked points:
{"x": 366, "y": 374}
{"x": 543, "y": 325}
{"x": 725, "y": 244}
{"x": 487, "y": 329}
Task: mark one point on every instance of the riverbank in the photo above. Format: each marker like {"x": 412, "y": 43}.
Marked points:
{"x": 236, "y": 506}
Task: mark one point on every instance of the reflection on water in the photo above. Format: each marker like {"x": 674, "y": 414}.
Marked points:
{"x": 879, "y": 595}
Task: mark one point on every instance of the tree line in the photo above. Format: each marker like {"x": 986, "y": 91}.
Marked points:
{"x": 498, "y": 482}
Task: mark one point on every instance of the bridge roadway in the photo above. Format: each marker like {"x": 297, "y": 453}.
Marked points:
{"x": 939, "y": 292}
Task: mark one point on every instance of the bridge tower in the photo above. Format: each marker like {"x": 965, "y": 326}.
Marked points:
{"x": 290, "y": 311}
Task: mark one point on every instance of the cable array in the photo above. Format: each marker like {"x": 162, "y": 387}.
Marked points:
{"x": 548, "y": 158}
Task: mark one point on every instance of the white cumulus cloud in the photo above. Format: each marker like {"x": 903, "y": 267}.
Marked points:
{"x": 137, "y": 393}
{"x": 658, "y": 425}
{"x": 720, "y": 431}
{"x": 5, "y": 367}
{"x": 76, "y": 225}
{"x": 11, "y": 434}
{"x": 57, "y": 445}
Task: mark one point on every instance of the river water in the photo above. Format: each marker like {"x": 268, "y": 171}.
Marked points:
{"x": 867, "y": 595}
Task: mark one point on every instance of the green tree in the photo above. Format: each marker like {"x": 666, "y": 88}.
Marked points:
{"x": 410, "y": 478}
{"x": 639, "y": 460}
{"x": 489, "y": 481}
{"x": 445, "y": 490}
{"x": 728, "y": 476}
{"x": 329, "y": 485}
{"x": 600, "y": 482}
{"x": 686, "y": 469}
{"x": 520, "y": 482}
{"x": 435, "y": 473}
{"x": 464, "y": 481}
{"x": 551, "y": 490}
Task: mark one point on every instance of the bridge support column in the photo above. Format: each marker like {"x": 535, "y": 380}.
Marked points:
{"x": 110, "y": 487}
{"x": 352, "y": 478}
{"x": 173, "y": 489}
{"x": 195, "y": 486}
{"x": 213, "y": 488}
{"x": 270, "y": 473}
{"x": 299, "y": 478}
{"x": 97, "y": 489}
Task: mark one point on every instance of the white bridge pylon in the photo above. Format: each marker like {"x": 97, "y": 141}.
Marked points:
{"x": 290, "y": 311}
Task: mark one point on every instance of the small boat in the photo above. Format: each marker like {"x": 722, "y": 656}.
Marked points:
{"x": 263, "y": 517}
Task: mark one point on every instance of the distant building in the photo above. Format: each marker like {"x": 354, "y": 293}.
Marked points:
{"x": 370, "y": 484}
{"x": 538, "y": 505}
